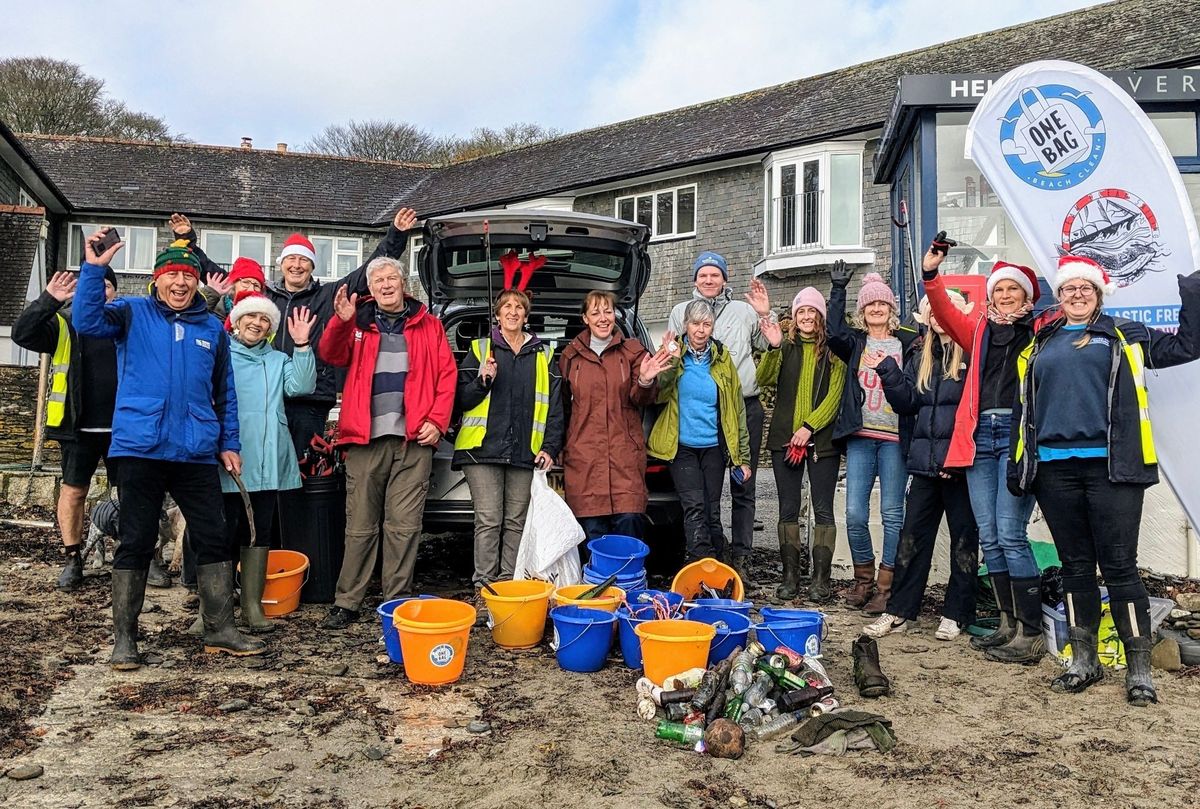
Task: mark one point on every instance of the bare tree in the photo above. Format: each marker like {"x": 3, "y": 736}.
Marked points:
{"x": 55, "y": 97}
{"x": 485, "y": 141}
{"x": 375, "y": 140}
{"x": 393, "y": 140}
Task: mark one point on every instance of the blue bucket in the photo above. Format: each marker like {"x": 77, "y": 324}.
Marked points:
{"x": 727, "y": 604}
{"x": 636, "y": 581}
{"x": 391, "y": 638}
{"x": 615, "y": 554}
{"x": 631, "y": 644}
{"x": 582, "y": 637}
{"x": 802, "y": 635}
{"x": 775, "y": 615}
{"x": 635, "y": 599}
{"x": 733, "y": 633}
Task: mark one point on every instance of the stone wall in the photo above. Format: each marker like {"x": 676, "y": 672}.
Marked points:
{"x": 18, "y": 405}
{"x": 10, "y": 186}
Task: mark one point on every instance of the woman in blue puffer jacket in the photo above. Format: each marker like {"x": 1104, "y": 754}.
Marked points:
{"x": 262, "y": 377}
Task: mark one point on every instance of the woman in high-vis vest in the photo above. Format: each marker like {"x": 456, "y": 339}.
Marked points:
{"x": 512, "y": 423}
{"x": 1083, "y": 446}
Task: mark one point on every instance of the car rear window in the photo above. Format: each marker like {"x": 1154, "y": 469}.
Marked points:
{"x": 601, "y": 266}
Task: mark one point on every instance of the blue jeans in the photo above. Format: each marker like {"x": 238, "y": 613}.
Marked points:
{"x": 627, "y": 524}
{"x": 866, "y": 459}
{"x": 1003, "y": 520}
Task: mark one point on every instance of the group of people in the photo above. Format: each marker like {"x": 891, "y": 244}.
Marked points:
{"x": 960, "y": 414}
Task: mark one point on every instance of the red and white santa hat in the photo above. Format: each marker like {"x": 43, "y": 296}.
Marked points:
{"x": 298, "y": 245}
{"x": 249, "y": 302}
{"x": 1025, "y": 277}
{"x": 1081, "y": 268}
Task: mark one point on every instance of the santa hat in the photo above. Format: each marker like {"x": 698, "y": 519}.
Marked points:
{"x": 247, "y": 268}
{"x": 249, "y": 302}
{"x": 1071, "y": 268}
{"x": 1023, "y": 276}
{"x": 298, "y": 245}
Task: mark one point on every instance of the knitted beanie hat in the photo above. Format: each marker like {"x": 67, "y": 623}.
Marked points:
{"x": 1079, "y": 268}
{"x": 247, "y": 268}
{"x": 924, "y": 309}
{"x": 249, "y": 302}
{"x": 874, "y": 289}
{"x": 1024, "y": 276}
{"x": 808, "y": 296}
{"x": 298, "y": 245}
{"x": 710, "y": 259}
{"x": 177, "y": 257}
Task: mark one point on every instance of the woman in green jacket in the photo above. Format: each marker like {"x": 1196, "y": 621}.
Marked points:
{"x": 809, "y": 381}
{"x": 701, "y": 430}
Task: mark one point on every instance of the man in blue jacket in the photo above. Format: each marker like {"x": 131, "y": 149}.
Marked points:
{"x": 175, "y": 417}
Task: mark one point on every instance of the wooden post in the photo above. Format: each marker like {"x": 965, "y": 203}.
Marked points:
{"x": 39, "y": 418}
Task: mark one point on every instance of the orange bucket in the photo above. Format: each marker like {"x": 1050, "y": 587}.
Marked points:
{"x": 517, "y": 613}
{"x": 608, "y": 601}
{"x": 707, "y": 571}
{"x": 433, "y": 636}
{"x": 287, "y": 573}
{"x": 672, "y": 646}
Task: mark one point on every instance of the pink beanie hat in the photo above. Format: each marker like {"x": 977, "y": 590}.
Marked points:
{"x": 808, "y": 296}
{"x": 874, "y": 289}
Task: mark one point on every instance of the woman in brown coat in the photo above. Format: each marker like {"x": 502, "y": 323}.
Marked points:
{"x": 606, "y": 380}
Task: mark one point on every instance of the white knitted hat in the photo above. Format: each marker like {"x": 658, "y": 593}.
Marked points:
{"x": 250, "y": 302}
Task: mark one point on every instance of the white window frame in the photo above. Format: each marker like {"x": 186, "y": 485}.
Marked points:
{"x": 415, "y": 243}
{"x": 773, "y": 182}
{"x": 335, "y": 253}
{"x": 24, "y": 200}
{"x": 654, "y": 195}
{"x": 236, "y": 235}
{"x": 91, "y": 227}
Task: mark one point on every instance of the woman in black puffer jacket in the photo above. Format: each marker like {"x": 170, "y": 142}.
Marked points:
{"x": 927, "y": 396}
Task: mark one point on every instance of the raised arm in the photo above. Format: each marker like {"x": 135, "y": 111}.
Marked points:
{"x": 392, "y": 246}
{"x": 841, "y": 336}
{"x": 1182, "y": 346}
{"x": 91, "y": 315}
{"x": 959, "y": 325}
{"x": 37, "y": 327}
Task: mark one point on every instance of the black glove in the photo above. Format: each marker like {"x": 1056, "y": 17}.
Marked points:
{"x": 1014, "y": 487}
{"x": 840, "y": 274}
{"x": 942, "y": 244}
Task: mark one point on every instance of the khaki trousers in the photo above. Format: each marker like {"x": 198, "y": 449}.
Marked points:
{"x": 387, "y": 478}
{"x": 501, "y": 496}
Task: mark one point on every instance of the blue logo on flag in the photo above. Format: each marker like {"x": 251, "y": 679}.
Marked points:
{"x": 1052, "y": 136}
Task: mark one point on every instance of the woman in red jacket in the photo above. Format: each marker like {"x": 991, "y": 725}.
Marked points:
{"x": 994, "y": 336}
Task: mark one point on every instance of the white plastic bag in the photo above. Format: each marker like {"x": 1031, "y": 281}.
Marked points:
{"x": 548, "y": 543}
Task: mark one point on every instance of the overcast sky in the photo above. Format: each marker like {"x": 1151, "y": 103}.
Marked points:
{"x": 282, "y": 71}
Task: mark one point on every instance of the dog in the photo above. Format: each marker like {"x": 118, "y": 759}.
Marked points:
{"x": 105, "y": 526}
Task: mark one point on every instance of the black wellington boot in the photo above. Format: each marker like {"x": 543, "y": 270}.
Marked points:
{"x": 824, "y": 542}
{"x": 1139, "y": 687}
{"x": 128, "y": 592}
{"x": 216, "y": 609}
{"x": 1085, "y": 669}
{"x": 254, "y": 578}
{"x": 868, "y": 676}
{"x": 1028, "y": 644}
{"x": 789, "y": 554}
{"x": 1002, "y": 587}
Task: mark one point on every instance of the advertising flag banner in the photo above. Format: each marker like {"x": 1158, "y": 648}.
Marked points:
{"x": 1080, "y": 169}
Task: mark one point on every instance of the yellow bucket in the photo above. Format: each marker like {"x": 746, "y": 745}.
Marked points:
{"x": 706, "y": 571}
{"x": 608, "y": 601}
{"x": 517, "y": 615}
{"x": 672, "y": 646}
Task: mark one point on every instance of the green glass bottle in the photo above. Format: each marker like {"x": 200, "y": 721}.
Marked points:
{"x": 678, "y": 732}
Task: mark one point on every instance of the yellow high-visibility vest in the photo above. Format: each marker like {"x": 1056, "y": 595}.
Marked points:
{"x": 474, "y": 421}
{"x": 1136, "y": 357}
{"x": 60, "y": 362}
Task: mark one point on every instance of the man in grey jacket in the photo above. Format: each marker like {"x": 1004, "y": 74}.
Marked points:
{"x": 738, "y": 328}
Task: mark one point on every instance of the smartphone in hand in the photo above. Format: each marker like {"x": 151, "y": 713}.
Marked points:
{"x": 737, "y": 476}
{"x": 103, "y": 243}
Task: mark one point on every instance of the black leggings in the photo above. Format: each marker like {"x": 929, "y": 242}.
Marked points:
{"x": 699, "y": 476}
{"x": 822, "y": 481}
{"x": 1095, "y": 522}
{"x": 237, "y": 527}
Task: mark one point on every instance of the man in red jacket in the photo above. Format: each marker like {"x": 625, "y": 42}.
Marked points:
{"x": 396, "y": 406}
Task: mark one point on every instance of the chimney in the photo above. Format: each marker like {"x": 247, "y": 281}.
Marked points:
{"x": 247, "y": 143}
{"x": 281, "y": 147}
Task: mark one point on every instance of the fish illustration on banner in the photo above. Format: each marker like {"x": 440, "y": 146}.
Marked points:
{"x": 1080, "y": 169}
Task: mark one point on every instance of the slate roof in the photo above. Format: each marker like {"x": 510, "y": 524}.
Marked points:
{"x": 108, "y": 175}
{"x": 252, "y": 184}
{"x": 20, "y": 234}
